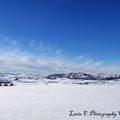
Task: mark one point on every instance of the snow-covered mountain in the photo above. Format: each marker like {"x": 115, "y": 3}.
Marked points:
{"x": 68, "y": 76}
{"x": 84, "y": 76}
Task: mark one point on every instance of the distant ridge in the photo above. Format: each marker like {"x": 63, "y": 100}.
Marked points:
{"x": 84, "y": 76}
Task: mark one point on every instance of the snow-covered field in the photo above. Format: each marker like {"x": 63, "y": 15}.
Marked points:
{"x": 54, "y": 101}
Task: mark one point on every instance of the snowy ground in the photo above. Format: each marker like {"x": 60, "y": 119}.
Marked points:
{"x": 54, "y": 101}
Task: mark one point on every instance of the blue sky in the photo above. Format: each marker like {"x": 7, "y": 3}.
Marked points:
{"x": 63, "y": 35}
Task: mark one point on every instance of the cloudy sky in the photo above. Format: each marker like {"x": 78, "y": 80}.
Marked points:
{"x": 49, "y": 36}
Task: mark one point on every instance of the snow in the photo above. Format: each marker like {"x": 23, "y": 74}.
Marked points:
{"x": 54, "y": 101}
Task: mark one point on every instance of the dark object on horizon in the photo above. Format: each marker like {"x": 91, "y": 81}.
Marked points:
{"x": 6, "y": 82}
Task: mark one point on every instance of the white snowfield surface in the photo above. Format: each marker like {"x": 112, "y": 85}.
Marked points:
{"x": 55, "y": 101}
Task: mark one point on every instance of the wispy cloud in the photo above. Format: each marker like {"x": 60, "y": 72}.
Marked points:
{"x": 31, "y": 43}
{"x": 13, "y": 58}
{"x": 81, "y": 57}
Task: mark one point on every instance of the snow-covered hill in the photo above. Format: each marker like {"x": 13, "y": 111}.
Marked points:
{"x": 84, "y": 76}
{"x": 70, "y": 78}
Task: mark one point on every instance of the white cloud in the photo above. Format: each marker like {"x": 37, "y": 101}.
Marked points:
{"x": 31, "y": 43}
{"x": 18, "y": 60}
{"x": 81, "y": 57}
{"x": 59, "y": 51}
{"x": 14, "y": 43}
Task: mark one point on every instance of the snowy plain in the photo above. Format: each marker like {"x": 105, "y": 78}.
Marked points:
{"x": 55, "y": 101}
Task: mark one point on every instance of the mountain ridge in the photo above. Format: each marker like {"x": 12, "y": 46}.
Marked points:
{"x": 84, "y": 76}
